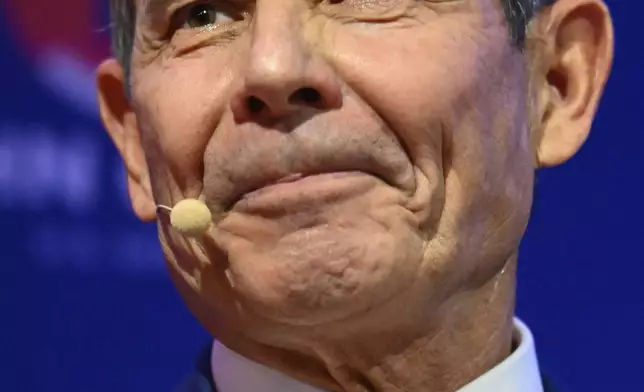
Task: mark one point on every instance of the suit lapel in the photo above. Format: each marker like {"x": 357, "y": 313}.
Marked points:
{"x": 200, "y": 380}
{"x": 547, "y": 385}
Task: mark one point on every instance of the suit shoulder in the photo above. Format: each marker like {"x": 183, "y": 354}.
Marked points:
{"x": 200, "y": 379}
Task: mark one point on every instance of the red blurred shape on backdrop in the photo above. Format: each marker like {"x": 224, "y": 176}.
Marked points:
{"x": 65, "y": 42}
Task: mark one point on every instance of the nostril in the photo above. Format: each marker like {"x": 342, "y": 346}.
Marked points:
{"x": 306, "y": 95}
{"x": 255, "y": 105}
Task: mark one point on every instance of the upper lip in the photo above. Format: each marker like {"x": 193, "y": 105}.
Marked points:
{"x": 251, "y": 160}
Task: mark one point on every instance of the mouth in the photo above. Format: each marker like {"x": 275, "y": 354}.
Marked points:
{"x": 295, "y": 187}
{"x": 305, "y": 169}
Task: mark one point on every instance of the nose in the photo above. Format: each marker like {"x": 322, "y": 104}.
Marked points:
{"x": 283, "y": 73}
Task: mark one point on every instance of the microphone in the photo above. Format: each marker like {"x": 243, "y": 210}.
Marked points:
{"x": 190, "y": 217}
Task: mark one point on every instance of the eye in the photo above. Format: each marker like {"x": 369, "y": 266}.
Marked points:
{"x": 200, "y": 15}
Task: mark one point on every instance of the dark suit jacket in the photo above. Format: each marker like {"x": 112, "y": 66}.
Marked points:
{"x": 201, "y": 379}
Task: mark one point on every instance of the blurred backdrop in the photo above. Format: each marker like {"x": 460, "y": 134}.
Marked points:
{"x": 85, "y": 301}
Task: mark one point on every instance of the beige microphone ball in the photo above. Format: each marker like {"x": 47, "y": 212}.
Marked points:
{"x": 191, "y": 217}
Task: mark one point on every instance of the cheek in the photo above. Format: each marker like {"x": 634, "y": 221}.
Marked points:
{"x": 418, "y": 80}
{"x": 179, "y": 103}
{"x": 459, "y": 106}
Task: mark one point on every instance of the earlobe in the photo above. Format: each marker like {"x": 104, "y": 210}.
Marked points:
{"x": 120, "y": 122}
{"x": 577, "y": 53}
{"x": 141, "y": 198}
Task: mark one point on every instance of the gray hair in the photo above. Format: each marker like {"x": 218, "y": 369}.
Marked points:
{"x": 123, "y": 14}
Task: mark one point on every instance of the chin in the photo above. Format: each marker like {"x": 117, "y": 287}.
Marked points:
{"x": 332, "y": 271}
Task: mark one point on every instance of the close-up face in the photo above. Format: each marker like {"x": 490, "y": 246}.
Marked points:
{"x": 361, "y": 159}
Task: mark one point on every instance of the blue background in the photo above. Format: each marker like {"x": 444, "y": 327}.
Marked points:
{"x": 85, "y": 301}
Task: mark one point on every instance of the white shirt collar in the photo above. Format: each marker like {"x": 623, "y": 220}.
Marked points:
{"x": 518, "y": 372}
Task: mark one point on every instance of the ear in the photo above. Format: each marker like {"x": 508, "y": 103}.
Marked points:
{"x": 120, "y": 122}
{"x": 576, "y": 54}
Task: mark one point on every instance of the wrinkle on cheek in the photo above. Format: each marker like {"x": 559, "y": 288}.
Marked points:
{"x": 488, "y": 185}
{"x": 182, "y": 102}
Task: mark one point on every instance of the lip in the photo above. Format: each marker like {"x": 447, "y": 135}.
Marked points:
{"x": 298, "y": 188}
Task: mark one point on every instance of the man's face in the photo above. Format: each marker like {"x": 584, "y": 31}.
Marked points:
{"x": 399, "y": 129}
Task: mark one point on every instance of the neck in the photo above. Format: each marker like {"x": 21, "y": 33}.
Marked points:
{"x": 467, "y": 336}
